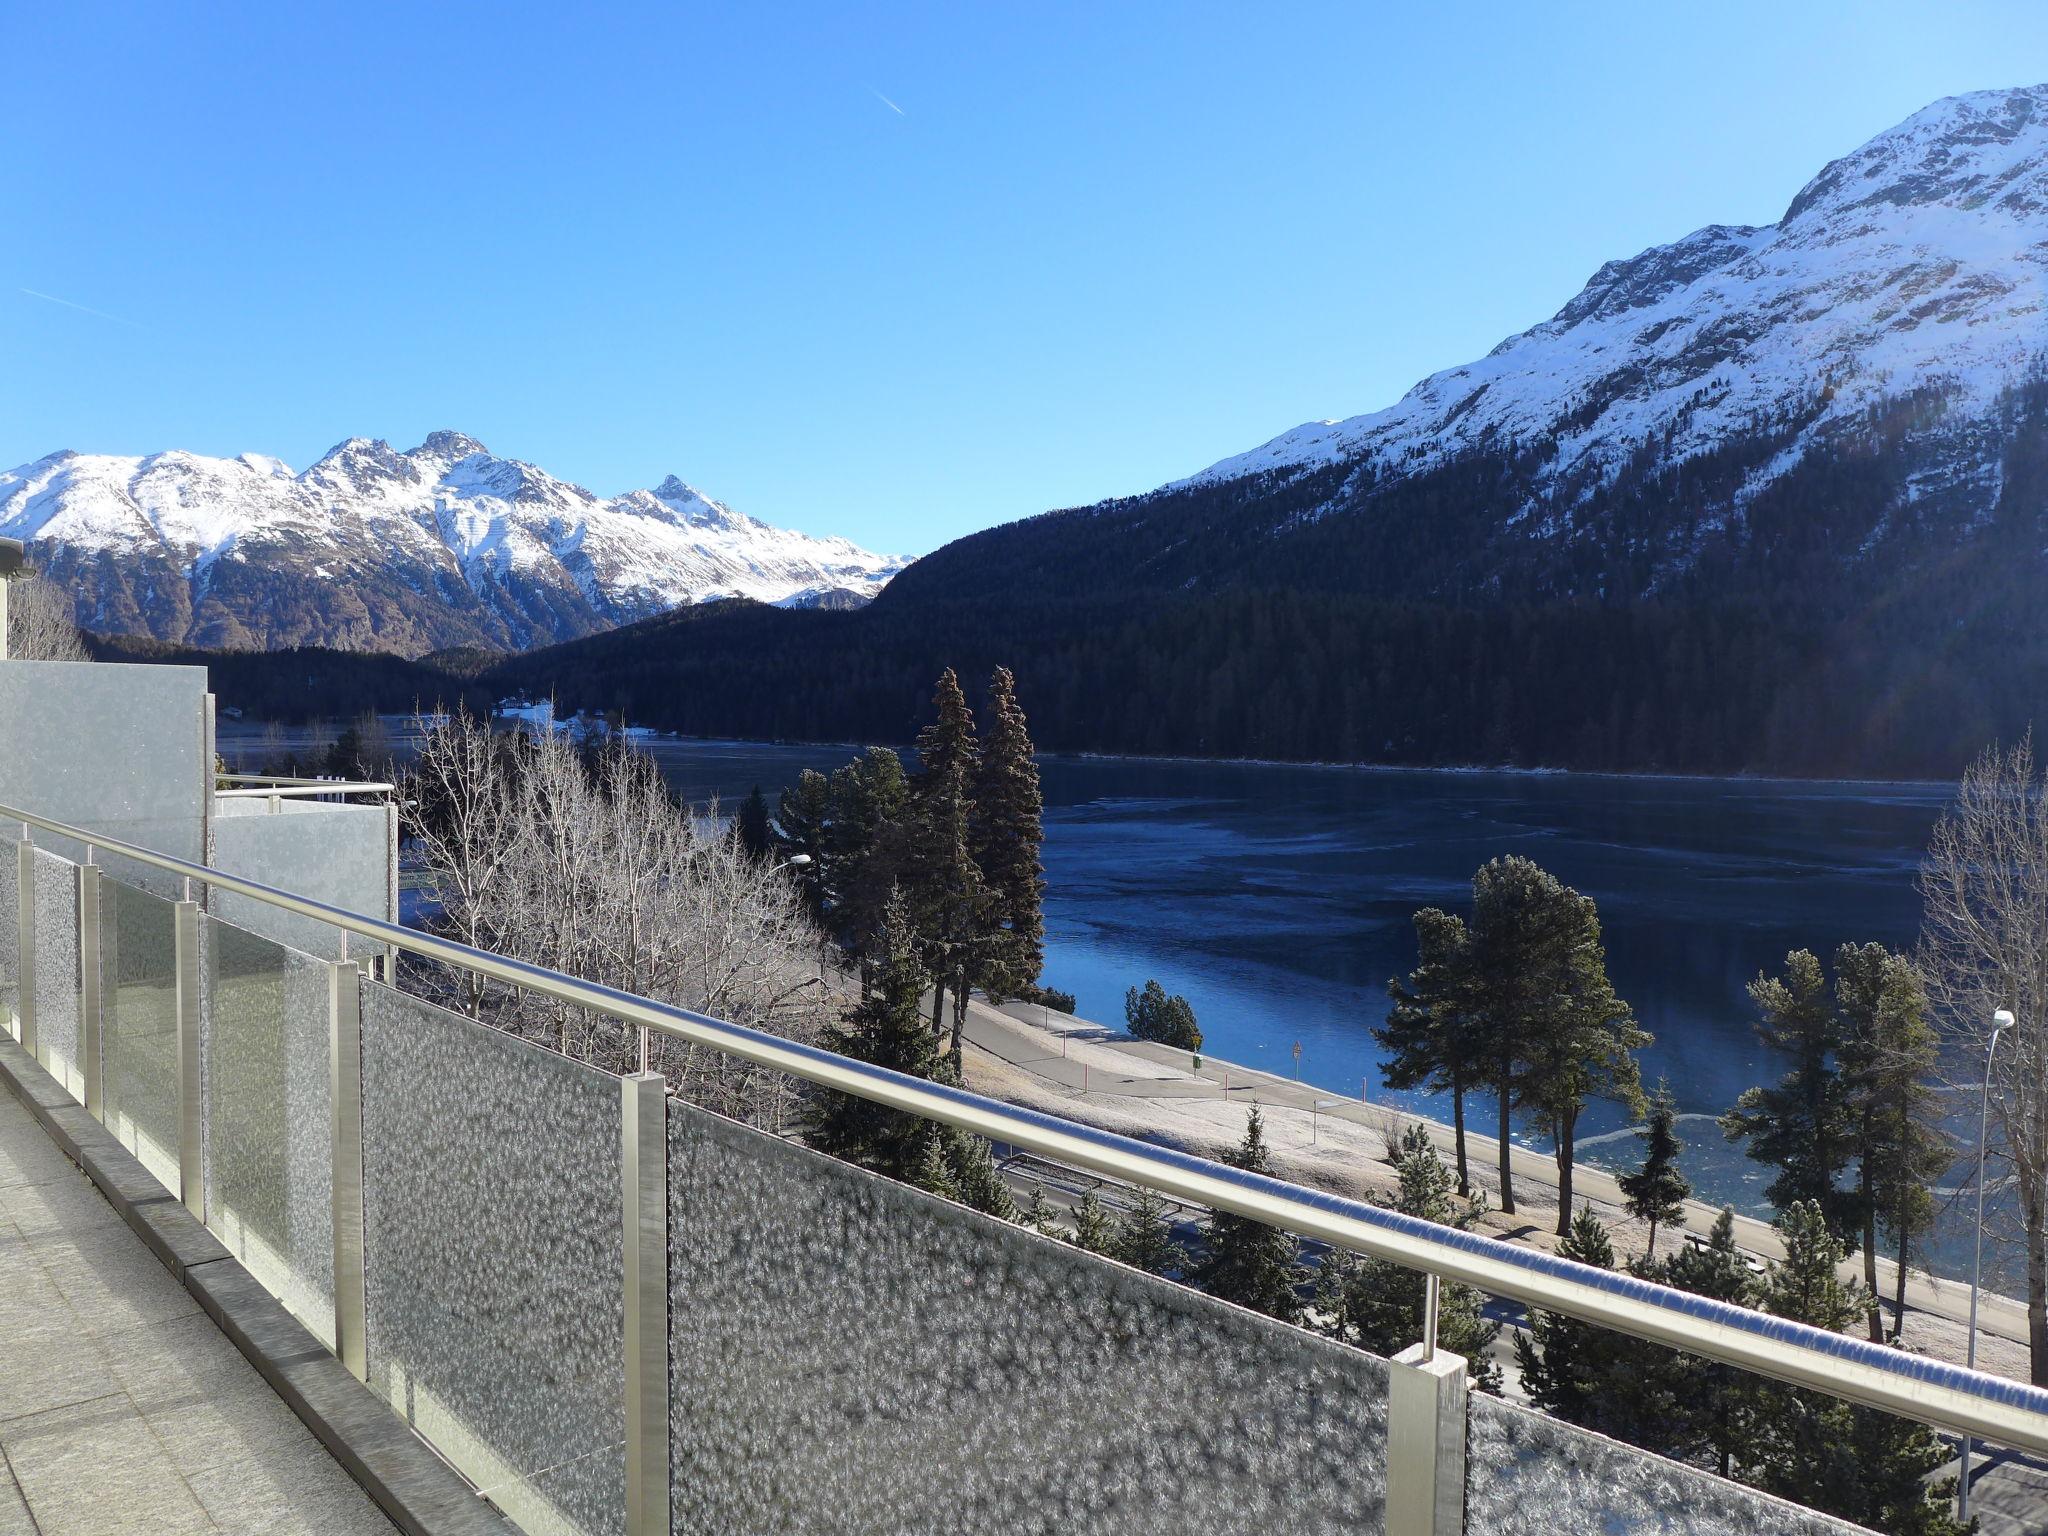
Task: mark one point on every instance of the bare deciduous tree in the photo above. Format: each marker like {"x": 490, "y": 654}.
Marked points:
{"x": 1984, "y": 946}
{"x": 590, "y": 867}
{"x": 40, "y": 624}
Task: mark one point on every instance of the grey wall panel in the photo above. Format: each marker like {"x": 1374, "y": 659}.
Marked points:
{"x": 339, "y": 854}
{"x": 56, "y": 969}
{"x": 494, "y": 1246}
{"x": 850, "y": 1355}
{"x": 268, "y": 1141}
{"x": 1527, "y": 1474}
{"x": 113, "y": 748}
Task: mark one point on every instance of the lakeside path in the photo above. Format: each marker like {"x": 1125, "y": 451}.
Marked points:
{"x": 1053, "y": 1061}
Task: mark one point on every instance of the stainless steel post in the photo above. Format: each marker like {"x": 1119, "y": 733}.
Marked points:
{"x": 25, "y": 969}
{"x": 644, "y": 1171}
{"x": 345, "y": 1098}
{"x": 191, "y": 1080}
{"x": 1998, "y": 1026}
{"x": 90, "y": 992}
{"x": 1426, "y": 1393}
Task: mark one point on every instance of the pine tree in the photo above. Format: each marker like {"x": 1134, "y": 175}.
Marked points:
{"x": 1431, "y": 1029}
{"x": 1857, "y": 1463}
{"x": 1007, "y": 833}
{"x": 945, "y": 885}
{"x": 1889, "y": 1054}
{"x": 1144, "y": 1238}
{"x": 1036, "y": 1215}
{"x": 1092, "y": 1228}
{"x": 751, "y": 825}
{"x": 1572, "y": 1368}
{"x": 1684, "y": 1405}
{"x": 886, "y": 1029}
{"x": 977, "y": 1182}
{"x": 1248, "y": 1262}
{"x": 1153, "y": 1015}
{"x": 1554, "y": 1032}
{"x": 803, "y": 819}
{"x": 1657, "y": 1191}
{"x": 1800, "y": 1125}
{"x": 1379, "y": 1305}
{"x": 933, "y": 1171}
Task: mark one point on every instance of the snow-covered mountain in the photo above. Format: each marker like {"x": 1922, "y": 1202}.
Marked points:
{"x": 371, "y": 548}
{"x": 1916, "y": 265}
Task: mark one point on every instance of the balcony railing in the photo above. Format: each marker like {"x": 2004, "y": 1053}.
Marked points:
{"x": 613, "y": 1310}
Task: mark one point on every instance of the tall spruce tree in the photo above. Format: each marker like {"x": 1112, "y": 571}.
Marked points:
{"x": 1007, "y": 832}
{"x": 1432, "y": 1032}
{"x": 752, "y": 827}
{"x": 1657, "y": 1191}
{"x": 886, "y": 1029}
{"x": 1379, "y": 1305}
{"x": 803, "y": 818}
{"x": 1248, "y": 1262}
{"x": 866, "y": 833}
{"x": 1800, "y": 1125}
{"x": 946, "y": 889}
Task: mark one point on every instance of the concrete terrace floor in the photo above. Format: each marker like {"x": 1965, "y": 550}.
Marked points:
{"x": 123, "y": 1408}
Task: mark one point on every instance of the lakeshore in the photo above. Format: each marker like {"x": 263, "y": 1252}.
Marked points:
{"x": 1042, "y": 1059}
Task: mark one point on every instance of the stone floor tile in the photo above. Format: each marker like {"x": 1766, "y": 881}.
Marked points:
{"x": 95, "y": 1469}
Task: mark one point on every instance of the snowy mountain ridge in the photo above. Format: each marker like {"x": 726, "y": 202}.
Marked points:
{"x": 1919, "y": 261}
{"x": 372, "y": 548}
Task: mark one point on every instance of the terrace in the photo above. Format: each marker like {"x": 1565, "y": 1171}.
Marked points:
{"x": 348, "y": 1260}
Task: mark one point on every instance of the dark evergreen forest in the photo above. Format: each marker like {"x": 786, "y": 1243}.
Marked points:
{"x": 1870, "y": 613}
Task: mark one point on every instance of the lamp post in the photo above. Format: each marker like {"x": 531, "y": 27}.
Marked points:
{"x": 13, "y": 557}
{"x": 2001, "y": 1021}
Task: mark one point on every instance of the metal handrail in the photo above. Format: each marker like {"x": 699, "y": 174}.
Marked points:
{"x": 2004, "y": 1412}
{"x": 274, "y": 786}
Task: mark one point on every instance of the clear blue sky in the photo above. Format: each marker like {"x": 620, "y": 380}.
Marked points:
{"x": 893, "y": 271}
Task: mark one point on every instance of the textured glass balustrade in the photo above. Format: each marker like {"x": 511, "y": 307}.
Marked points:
{"x": 1527, "y": 1474}
{"x": 494, "y": 1242}
{"x": 848, "y": 1354}
{"x": 139, "y": 1038}
{"x": 268, "y": 1123}
{"x": 56, "y": 969}
{"x": 10, "y": 933}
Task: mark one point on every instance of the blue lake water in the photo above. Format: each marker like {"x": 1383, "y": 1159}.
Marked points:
{"x": 1278, "y": 899}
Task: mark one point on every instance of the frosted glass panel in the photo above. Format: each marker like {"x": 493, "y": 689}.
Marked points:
{"x": 849, "y": 1355}
{"x": 1527, "y": 1474}
{"x": 56, "y": 969}
{"x": 269, "y": 1132}
{"x": 494, "y": 1239}
{"x": 139, "y": 1032}
{"x": 10, "y": 933}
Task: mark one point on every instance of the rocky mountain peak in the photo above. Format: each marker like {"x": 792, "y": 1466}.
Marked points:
{"x": 448, "y": 447}
{"x": 1987, "y": 148}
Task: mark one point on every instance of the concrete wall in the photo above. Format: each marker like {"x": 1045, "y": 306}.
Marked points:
{"x": 124, "y": 750}
{"x": 344, "y": 855}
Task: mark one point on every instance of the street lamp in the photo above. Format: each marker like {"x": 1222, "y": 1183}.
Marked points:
{"x": 2001, "y": 1021}
{"x": 13, "y": 561}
